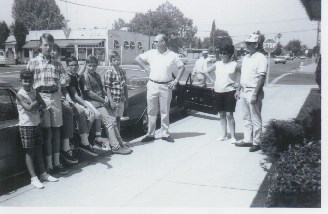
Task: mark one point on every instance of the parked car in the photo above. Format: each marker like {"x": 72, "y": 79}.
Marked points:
{"x": 2, "y": 58}
{"x": 12, "y": 158}
{"x": 302, "y": 57}
{"x": 183, "y": 58}
{"x": 211, "y": 58}
{"x": 137, "y": 102}
{"x": 279, "y": 59}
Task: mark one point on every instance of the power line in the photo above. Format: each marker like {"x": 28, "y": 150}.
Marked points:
{"x": 256, "y": 23}
{"x": 100, "y": 8}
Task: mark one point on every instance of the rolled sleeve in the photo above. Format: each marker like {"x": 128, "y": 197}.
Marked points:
{"x": 178, "y": 61}
{"x": 262, "y": 67}
{"x": 144, "y": 56}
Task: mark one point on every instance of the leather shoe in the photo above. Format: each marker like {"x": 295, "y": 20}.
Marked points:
{"x": 168, "y": 139}
{"x": 147, "y": 139}
{"x": 244, "y": 144}
{"x": 254, "y": 148}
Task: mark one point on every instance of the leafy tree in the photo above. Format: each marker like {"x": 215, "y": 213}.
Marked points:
{"x": 278, "y": 50}
{"x": 169, "y": 20}
{"x": 20, "y": 31}
{"x": 219, "y": 38}
{"x": 38, "y": 14}
{"x": 4, "y": 33}
{"x": 316, "y": 49}
{"x": 212, "y": 34}
{"x": 295, "y": 47}
{"x": 206, "y": 42}
{"x": 199, "y": 43}
{"x": 118, "y": 24}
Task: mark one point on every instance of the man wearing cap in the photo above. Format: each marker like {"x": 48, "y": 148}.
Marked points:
{"x": 250, "y": 92}
{"x": 160, "y": 64}
{"x": 199, "y": 73}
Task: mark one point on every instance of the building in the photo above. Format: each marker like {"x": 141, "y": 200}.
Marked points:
{"x": 83, "y": 42}
{"x": 10, "y": 50}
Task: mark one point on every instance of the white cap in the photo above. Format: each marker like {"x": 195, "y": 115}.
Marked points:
{"x": 253, "y": 38}
{"x": 204, "y": 52}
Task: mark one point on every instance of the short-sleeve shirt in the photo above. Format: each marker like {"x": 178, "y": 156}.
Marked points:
{"x": 161, "y": 65}
{"x": 92, "y": 81}
{"x": 73, "y": 83}
{"x": 253, "y": 66}
{"x": 200, "y": 65}
{"x": 47, "y": 73}
{"x": 115, "y": 80}
{"x": 225, "y": 76}
{"x": 27, "y": 118}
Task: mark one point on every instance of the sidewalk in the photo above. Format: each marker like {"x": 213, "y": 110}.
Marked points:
{"x": 196, "y": 171}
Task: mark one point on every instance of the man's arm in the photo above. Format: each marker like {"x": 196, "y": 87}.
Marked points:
{"x": 82, "y": 70}
{"x": 259, "y": 86}
{"x": 176, "y": 80}
{"x": 238, "y": 71}
{"x": 142, "y": 64}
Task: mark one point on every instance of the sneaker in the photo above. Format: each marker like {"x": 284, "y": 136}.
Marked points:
{"x": 60, "y": 170}
{"x": 69, "y": 157}
{"x": 222, "y": 138}
{"x": 233, "y": 140}
{"x": 100, "y": 145}
{"x": 147, "y": 139}
{"x": 244, "y": 144}
{"x": 122, "y": 151}
{"x": 168, "y": 139}
{"x": 36, "y": 183}
{"x": 254, "y": 148}
{"x": 47, "y": 177}
{"x": 88, "y": 149}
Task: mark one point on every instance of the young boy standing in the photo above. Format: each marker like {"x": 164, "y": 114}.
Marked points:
{"x": 28, "y": 105}
{"x": 47, "y": 81}
{"x": 115, "y": 86}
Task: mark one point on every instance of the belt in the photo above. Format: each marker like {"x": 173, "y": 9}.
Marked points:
{"x": 47, "y": 91}
{"x": 160, "y": 82}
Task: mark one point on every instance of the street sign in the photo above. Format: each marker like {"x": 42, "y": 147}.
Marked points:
{"x": 269, "y": 45}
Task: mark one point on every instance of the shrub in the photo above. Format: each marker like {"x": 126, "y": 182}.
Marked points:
{"x": 279, "y": 135}
{"x": 296, "y": 180}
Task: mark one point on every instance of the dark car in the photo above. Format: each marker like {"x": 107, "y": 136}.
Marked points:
{"x": 137, "y": 103}
{"x": 12, "y": 158}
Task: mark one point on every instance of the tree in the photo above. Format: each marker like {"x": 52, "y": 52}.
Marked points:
{"x": 295, "y": 47}
{"x": 219, "y": 38}
{"x": 118, "y": 24}
{"x": 199, "y": 43}
{"x": 169, "y": 20}
{"x": 278, "y": 50}
{"x": 4, "y": 33}
{"x": 38, "y": 14}
{"x": 212, "y": 32}
{"x": 316, "y": 49}
{"x": 20, "y": 31}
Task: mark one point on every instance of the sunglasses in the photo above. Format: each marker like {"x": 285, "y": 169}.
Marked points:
{"x": 223, "y": 53}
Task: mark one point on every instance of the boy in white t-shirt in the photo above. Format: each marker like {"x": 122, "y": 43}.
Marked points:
{"x": 28, "y": 105}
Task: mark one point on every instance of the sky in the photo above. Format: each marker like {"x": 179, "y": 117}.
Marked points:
{"x": 238, "y": 17}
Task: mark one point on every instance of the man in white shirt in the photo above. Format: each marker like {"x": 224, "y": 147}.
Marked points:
{"x": 199, "y": 72}
{"x": 253, "y": 73}
{"x": 160, "y": 64}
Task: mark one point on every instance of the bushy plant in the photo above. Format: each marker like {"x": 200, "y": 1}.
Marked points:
{"x": 279, "y": 135}
{"x": 296, "y": 179}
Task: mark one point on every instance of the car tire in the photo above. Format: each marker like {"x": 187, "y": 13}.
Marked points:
{"x": 184, "y": 111}
{"x": 284, "y": 62}
{"x": 275, "y": 62}
{"x": 142, "y": 125}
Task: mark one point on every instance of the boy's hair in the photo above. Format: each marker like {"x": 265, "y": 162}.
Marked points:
{"x": 113, "y": 54}
{"x": 91, "y": 58}
{"x": 26, "y": 74}
{"x": 57, "y": 48}
{"x": 47, "y": 37}
{"x": 71, "y": 59}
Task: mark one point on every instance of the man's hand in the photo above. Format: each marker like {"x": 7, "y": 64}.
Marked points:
{"x": 237, "y": 95}
{"x": 253, "y": 99}
{"x": 173, "y": 84}
{"x": 112, "y": 104}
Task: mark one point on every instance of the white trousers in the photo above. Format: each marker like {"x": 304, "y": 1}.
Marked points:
{"x": 158, "y": 98}
{"x": 251, "y": 115}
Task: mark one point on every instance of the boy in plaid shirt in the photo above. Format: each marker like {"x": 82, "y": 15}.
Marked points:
{"x": 115, "y": 86}
{"x": 28, "y": 106}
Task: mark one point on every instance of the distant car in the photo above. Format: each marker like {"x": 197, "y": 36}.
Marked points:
{"x": 2, "y": 58}
{"x": 183, "y": 58}
{"x": 211, "y": 58}
{"x": 302, "y": 57}
{"x": 279, "y": 59}
{"x": 287, "y": 57}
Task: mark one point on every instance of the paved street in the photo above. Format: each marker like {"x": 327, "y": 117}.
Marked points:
{"x": 196, "y": 171}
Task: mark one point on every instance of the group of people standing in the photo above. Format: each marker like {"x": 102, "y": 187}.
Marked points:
{"x": 52, "y": 98}
{"x": 233, "y": 82}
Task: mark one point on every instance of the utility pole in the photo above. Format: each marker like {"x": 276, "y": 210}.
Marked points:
{"x": 318, "y": 36}
{"x": 149, "y": 30}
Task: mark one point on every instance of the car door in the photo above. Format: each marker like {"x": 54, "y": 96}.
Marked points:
{"x": 198, "y": 98}
{"x": 11, "y": 152}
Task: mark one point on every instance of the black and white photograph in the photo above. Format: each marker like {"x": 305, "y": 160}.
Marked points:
{"x": 162, "y": 106}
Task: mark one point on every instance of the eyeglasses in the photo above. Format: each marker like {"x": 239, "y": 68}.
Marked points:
{"x": 116, "y": 60}
{"x": 74, "y": 65}
{"x": 91, "y": 65}
{"x": 223, "y": 53}
{"x": 156, "y": 42}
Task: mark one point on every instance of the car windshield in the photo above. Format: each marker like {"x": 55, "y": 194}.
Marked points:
{"x": 136, "y": 77}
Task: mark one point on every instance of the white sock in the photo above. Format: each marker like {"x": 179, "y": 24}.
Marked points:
{"x": 84, "y": 139}
{"x": 34, "y": 178}
{"x": 65, "y": 145}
